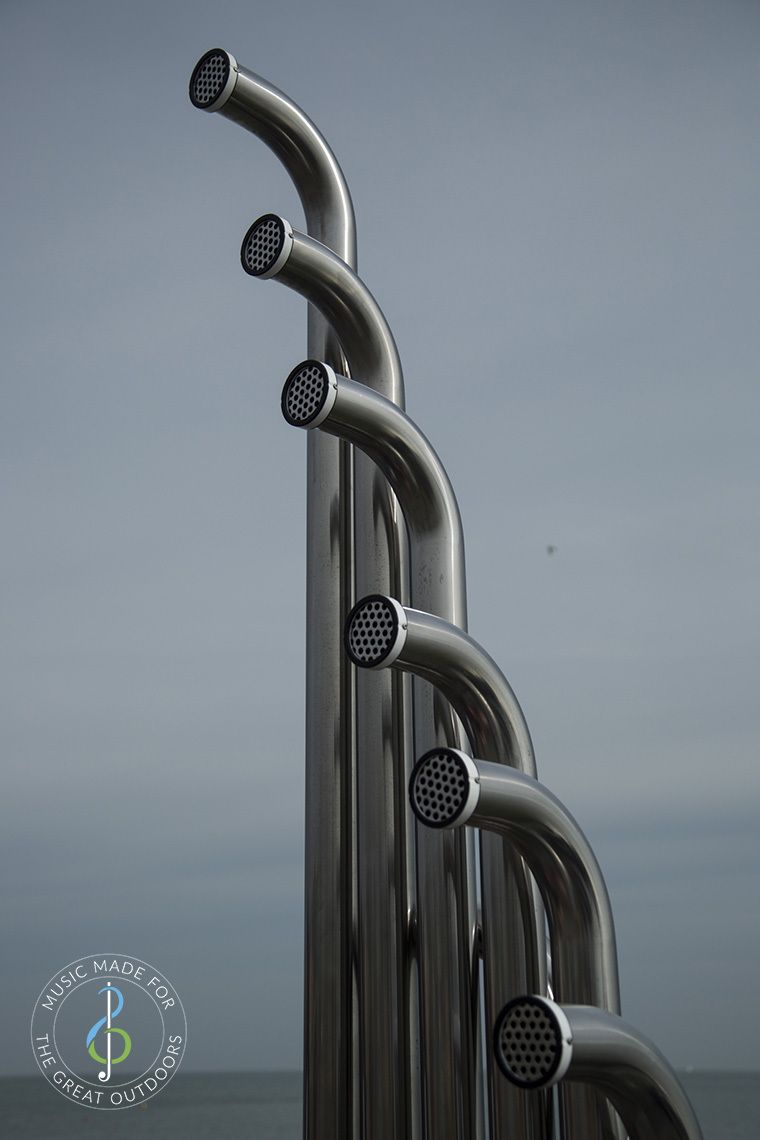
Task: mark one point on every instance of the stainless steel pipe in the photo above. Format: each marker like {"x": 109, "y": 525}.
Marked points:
{"x": 449, "y": 789}
{"x": 450, "y": 659}
{"x": 381, "y": 633}
{"x": 314, "y": 397}
{"x": 538, "y": 1043}
{"x": 385, "y": 993}
{"x": 219, "y": 84}
{"x": 273, "y": 249}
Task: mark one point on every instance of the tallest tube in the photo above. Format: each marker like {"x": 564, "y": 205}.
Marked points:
{"x": 219, "y": 84}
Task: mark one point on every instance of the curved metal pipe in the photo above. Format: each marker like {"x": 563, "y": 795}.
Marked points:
{"x": 380, "y": 632}
{"x": 538, "y": 1043}
{"x": 524, "y": 812}
{"x": 453, "y": 661}
{"x": 384, "y": 842}
{"x": 313, "y": 396}
{"x": 219, "y": 84}
{"x": 272, "y": 249}
{"x": 449, "y": 789}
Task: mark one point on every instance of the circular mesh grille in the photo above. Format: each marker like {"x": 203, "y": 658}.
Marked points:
{"x": 528, "y": 1043}
{"x": 371, "y": 631}
{"x": 262, "y": 244}
{"x": 305, "y": 392}
{"x": 210, "y": 75}
{"x": 439, "y": 787}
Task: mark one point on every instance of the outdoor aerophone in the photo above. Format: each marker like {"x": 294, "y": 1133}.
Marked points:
{"x": 429, "y": 888}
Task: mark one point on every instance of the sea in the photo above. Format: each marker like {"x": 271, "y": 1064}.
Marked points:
{"x": 267, "y": 1106}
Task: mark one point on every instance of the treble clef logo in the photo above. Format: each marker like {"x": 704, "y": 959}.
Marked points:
{"x": 109, "y": 1060}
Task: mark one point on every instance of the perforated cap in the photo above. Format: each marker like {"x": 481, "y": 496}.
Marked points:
{"x": 375, "y": 631}
{"x": 309, "y": 394}
{"x": 532, "y": 1042}
{"x": 444, "y": 788}
{"x": 213, "y": 79}
{"x": 267, "y": 245}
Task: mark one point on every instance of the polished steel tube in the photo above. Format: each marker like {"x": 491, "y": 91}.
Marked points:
{"x": 272, "y": 248}
{"x": 218, "y": 83}
{"x": 538, "y": 1042}
{"x": 387, "y": 1021}
{"x": 449, "y": 789}
{"x": 380, "y": 633}
{"x": 314, "y": 397}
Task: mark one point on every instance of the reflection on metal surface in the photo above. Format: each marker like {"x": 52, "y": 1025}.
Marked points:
{"x": 219, "y": 84}
{"x": 513, "y": 949}
{"x": 449, "y": 789}
{"x": 538, "y": 1042}
{"x": 383, "y": 859}
{"x": 445, "y": 913}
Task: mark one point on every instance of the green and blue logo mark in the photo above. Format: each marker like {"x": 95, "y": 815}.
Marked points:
{"x": 108, "y": 1031}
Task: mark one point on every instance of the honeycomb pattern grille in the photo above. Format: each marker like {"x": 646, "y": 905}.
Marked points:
{"x": 209, "y": 78}
{"x": 305, "y": 393}
{"x": 263, "y": 244}
{"x": 529, "y": 1043}
{"x": 372, "y": 629}
{"x": 440, "y": 784}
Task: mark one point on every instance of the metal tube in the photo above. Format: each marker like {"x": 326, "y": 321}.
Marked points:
{"x": 450, "y": 659}
{"x": 517, "y": 807}
{"x": 352, "y": 412}
{"x": 219, "y": 84}
{"x": 381, "y": 633}
{"x": 449, "y": 789}
{"x": 313, "y": 396}
{"x": 272, "y": 248}
{"x": 538, "y": 1043}
{"x": 384, "y": 855}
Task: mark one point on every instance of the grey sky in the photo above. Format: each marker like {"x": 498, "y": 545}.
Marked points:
{"x": 558, "y": 211}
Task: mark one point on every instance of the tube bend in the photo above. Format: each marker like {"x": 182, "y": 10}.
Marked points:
{"x": 452, "y": 661}
{"x": 313, "y": 396}
{"x": 218, "y": 83}
{"x": 538, "y": 1042}
{"x": 449, "y": 789}
{"x": 272, "y": 248}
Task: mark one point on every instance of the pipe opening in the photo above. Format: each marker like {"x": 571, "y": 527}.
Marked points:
{"x": 305, "y": 392}
{"x": 528, "y": 1042}
{"x": 209, "y": 78}
{"x": 264, "y": 248}
{"x": 371, "y": 631}
{"x": 439, "y": 788}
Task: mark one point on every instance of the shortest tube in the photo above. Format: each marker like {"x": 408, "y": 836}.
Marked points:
{"x": 538, "y": 1043}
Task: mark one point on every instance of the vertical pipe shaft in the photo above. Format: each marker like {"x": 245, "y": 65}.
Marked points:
{"x": 219, "y": 84}
{"x": 446, "y": 896}
{"x": 513, "y": 922}
{"x": 446, "y": 918}
{"x": 387, "y": 1020}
